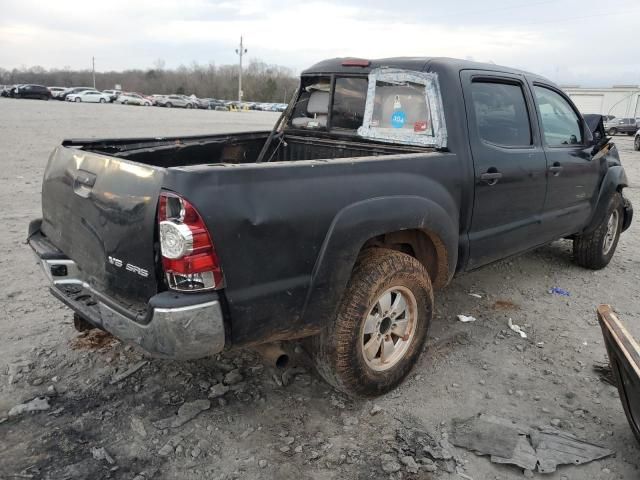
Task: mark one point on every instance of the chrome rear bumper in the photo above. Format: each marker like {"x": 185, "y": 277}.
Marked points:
{"x": 177, "y": 326}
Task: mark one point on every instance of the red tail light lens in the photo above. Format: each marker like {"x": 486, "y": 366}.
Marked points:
{"x": 188, "y": 256}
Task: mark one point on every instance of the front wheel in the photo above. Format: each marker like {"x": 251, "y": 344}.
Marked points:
{"x": 636, "y": 143}
{"x": 594, "y": 250}
{"x": 381, "y": 325}
{"x": 613, "y": 131}
{"x": 189, "y": 105}
{"x": 78, "y": 99}
{"x": 169, "y": 105}
{"x": 102, "y": 100}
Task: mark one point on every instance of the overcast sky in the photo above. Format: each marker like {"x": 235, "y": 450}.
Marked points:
{"x": 586, "y": 42}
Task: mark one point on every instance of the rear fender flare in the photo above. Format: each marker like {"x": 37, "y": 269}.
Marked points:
{"x": 359, "y": 222}
{"x": 614, "y": 180}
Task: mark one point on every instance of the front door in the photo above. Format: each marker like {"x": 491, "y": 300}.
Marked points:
{"x": 509, "y": 165}
{"x": 573, "y": 176}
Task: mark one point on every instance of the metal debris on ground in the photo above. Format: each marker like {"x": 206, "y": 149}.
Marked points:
{"x": 475, "y": 295}
{"x": 128, "y": 373}
{"x": 187, "y": 411}
{"x": 559, "y": 291}
{"x": 516, "y": 328}
{"x": 466, "y": 318}
{"x": 100, "y": 453}
{"x": 38, "y": 404}
{"x": 529, "y": 448}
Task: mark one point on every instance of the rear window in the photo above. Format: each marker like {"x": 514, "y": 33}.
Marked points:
{"x": 348, "y": 103}
{"x": 401, "y": 107}
{"x": 404, "y": 107}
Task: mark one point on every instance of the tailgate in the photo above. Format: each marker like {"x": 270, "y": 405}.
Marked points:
{"x": 101, "y": 212}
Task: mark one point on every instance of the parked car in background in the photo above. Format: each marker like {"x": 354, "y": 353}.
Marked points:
{"x": 129, "y": 98}
{"x": 5, "y": 91}
{"x": 202, "y": 103}
{"x": 154, "y": 98}
{"x": 72, "y": 90}
{"x": 621, "y": 125}
{"x": 38, "y": 92}
{"x": 89, "y": 96}
{"x": 175, "y": 101}
{"x": 57, "y": 91}
{"x": 213, "y": 104}
{"x": 113, "y": 94}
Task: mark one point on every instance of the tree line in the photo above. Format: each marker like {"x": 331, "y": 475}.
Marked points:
{"x": 260, "y": 82}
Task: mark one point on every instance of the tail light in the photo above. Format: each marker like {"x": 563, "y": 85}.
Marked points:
{"x": 188, "y": 255}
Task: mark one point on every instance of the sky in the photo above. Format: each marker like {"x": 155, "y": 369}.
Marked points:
{"x": 579, "y": 42}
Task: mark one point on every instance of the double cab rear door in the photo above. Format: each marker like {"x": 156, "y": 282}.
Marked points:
{"x": 535, "y": 180}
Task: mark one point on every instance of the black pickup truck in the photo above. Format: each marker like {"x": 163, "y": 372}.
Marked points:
{"x": 381, "y": 181}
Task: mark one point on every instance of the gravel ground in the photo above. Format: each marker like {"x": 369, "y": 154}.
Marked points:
{"x": 233, "y": 417}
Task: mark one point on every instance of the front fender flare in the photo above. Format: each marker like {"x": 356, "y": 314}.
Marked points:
{"x": 359, "y": 222}
{"x": 614, "y": 180}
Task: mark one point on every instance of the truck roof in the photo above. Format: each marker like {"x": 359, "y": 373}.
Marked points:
{"x": 419, "y": 64}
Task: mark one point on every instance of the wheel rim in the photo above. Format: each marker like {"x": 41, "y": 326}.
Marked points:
{"x": 389, "y": 328}
{"x": 612, "y": 230}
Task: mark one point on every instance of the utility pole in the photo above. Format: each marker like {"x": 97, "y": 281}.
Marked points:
{"x": 240, "y": 51}
{"x": 93, "y": 70}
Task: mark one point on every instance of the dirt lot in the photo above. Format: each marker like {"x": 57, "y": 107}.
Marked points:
{"x": 279, "y": 425}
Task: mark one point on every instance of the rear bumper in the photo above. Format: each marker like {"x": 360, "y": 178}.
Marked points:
{"x": 177, "y": 326}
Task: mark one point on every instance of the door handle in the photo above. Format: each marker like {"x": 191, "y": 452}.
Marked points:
{"x": 491, "y": 176}
{"x": 556, "y": 168}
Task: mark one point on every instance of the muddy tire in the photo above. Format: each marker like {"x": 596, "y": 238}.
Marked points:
{"x": 388, "y": 302}
{"x": 595, "y": 250}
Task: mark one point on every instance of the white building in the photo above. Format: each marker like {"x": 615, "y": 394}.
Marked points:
{"x": 620, "y": 100}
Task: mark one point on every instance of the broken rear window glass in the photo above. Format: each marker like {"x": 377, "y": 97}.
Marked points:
{"x": 312, "y": 108}
{"x": 404, "y": 107}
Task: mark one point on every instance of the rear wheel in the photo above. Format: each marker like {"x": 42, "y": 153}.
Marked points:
{"x": 636, "y": 143}
{"x": 613, "y": 131}
{"x": 78, "y": 99}
{"x": 189, "y": 105}
{"x": 595, "y": 250}
{"x": 102, "y": 100}
{"x": 381, "y": 325}
{"x": 169, "y": 105}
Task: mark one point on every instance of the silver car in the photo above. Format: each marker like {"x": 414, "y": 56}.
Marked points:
{"x": 176, "y": 101}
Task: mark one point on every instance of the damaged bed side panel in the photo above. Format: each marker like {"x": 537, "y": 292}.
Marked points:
{"x": 284, "y": 268}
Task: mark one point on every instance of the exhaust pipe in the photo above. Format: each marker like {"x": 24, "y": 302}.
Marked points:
{"x": 273, "y": 354}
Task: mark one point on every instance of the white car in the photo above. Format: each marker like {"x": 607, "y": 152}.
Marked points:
{"x": 89, "y": 96}
{"x": 133, "y": 99}
{"x": 57, "y": 91}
